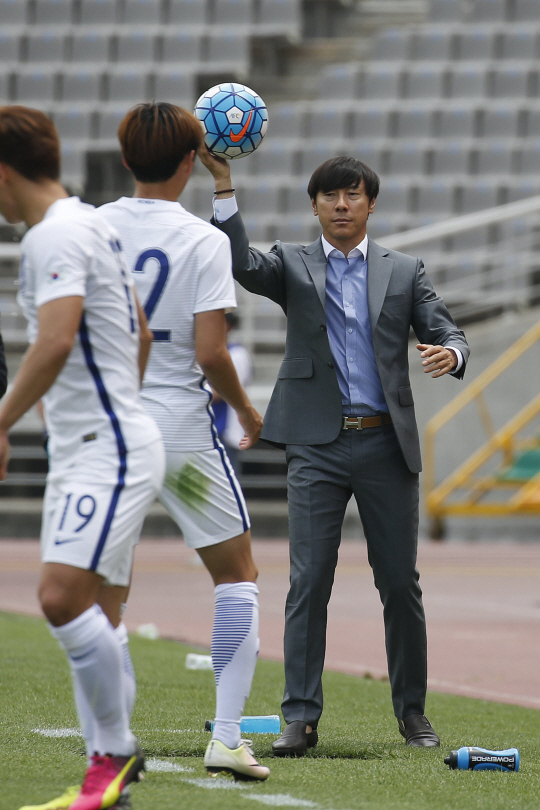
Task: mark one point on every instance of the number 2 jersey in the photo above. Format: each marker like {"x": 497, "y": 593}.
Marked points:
{"x": 181, "y": 266}
{"x": 94, "y": 401}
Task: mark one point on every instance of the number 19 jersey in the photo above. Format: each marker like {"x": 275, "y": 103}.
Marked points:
{"x": 181, "y": 266}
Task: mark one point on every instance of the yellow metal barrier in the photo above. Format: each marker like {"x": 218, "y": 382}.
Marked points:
{"x": 466, "y": 491}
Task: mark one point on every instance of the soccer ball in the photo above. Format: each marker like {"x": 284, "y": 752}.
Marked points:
{"x": 234, "y": 118}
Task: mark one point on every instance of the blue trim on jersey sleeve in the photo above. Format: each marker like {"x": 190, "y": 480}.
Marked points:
{"x": 120, "y": 443}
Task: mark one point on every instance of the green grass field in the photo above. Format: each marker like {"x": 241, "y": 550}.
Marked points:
{"x": 361, "y": 762}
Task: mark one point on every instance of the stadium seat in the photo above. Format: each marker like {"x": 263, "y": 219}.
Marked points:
{"x": 297, "y": 228}
{"x": 136, "y": 12}
{"x": 260, "y": 199}
{"x": 391, "y": 44}
{"x": 431, "y": 44}
{"x": 517, "y": 189}
{"x": 81, "y": 85}
{"x": 129, "y": 85}
{"x": 9, "y": 46}
{"x": 526, "y": 11}
{"x": 108, "y": 121}
{"x": 494, "y": 158}
{"x": 136, "y": 47}
{"x": 381, "y": 226}
{"x": 53, "y": 12}
{"x": 475, "y": 43}
{"x": 467, "y": 80}
{"x": 174, "y": 85}
{"x": 187, "y": 12}
{"x": 489, "y": 11}
{"x": 233, "y": 12}
{"x": 446, "y": 10}
{"x": 313, "y": 153}
{"x": 380, "y": 81}
{"x": 74, "y": 123}
{"x": 45, "y": 46}
{"x": 296, "y": 199}
{"x": 436, "y": 197}
{"x": 528, "y": 159}
{"x": 13, "y": 12}
{"x": 476, "y": 196}
{"x": 286, "y": 120}
{"x": 90, "y": 46}
{"x": 340, "y": 81}
{"x": 406, "y": 158}
{"x": 34, "y": 86}
{"x": 229, "y": 48}
{"x": 275, "y": 159}
{"x": 423, "y": 81}
{"x": 73, "y": 165}
{"x": 532, "y": 121}
{"x": 286, "y": 12}
{"x": 500, "y": 122}
{"x": 414, "y": 122}
{"x": 369, "y": 152}
{"x": 256, "y": 228}
{"x": 452, "y": 157}
{"x": 327, "y": 120}
{"x": 454, "y": 122}
{"x": 370, "y": 122}
{"x": 519, "y": 43}
{"x": 182, "y": 46}
{"x": 98, "y": 12}
{"x": 394, "y": 197}
{"x": 4, "y": 86}
{"x": 512, "y": 80}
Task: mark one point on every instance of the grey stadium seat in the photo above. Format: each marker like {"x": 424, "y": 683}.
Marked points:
{"x": 394, "y": 197}
{"x": 391, "y": 44}
{"x": 90, "y": 46}
{"x": 72, "y": 164}
{"x": 527, "y": 10}
{"x": 174, "y": 85}
{"x": 475, "y": 43}
{"x": 432, "y": 43}
{"x": 13, "y": 12}
{"x": 370, "y": 122}
{"x": 423, "y": 81}
{"x": 455, "y": 121}
{"x": 313, "y": 153}
{"x": 511, "y": 80}
{"x": 452, "y": 157}
{"x": 519, "y": 43}
{"x": 9, "y": 46}
{"x": 500, "y": 122}
{"x": 109, "y": 121}
{"x": 340, "y": 81}
{"x": 488, "y": 11}
{"x": 327, "y": 120}
{"x": 187, "y": 12}
{"x": 34, "y": 86}
{"x": 136, "y": 12}
{"x": 233, "y": 12}
{"x": 532, "y": 122}
{"x": 98, "y": 12}
{"x": 256, "y": 228}
{"x": 182, "y": 46}
{"x": 297, "y": 228}
{"x": 296, "y": 199}
{"x": 369, "y": 152}
{"x": 475, "y": 196}
{"x": 528, "y": 159}
{"x": 380, "y": 81}
{"x": 406, "y": 158}
{"x": 4, "y": 87}
{"x": 446, "y": 10}
{"x": 260, "y": 199}
{"x": 436, "y": 197}
{"x": 286, "y": 120}
{"x": 74, "y": 123}
{"x": 46, "y": 46}
{"x": 136, "y": 46}
{"x": 274, "y": 158}
{"x": 494, "y": 158}
{"x": 129, "y": 85}
{"x": 518, "y": 189}
{"x": 81, "y": 85}
{"x": 286, "y": 12}
{"x": 228, "y": 47}
{"x": 414, "y": 122}
{"x": 53, "y": 12}
{"x": 467, "y": 80}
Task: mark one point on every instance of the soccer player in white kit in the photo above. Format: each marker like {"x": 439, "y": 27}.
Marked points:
{"x": 182, "y": 269}
{"x": 106, "y": 455}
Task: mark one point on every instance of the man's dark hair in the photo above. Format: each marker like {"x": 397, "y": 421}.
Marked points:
{"x": 29, "y": 143}
{"x": 343, "y": 172}
{"x": 155, "y": 138}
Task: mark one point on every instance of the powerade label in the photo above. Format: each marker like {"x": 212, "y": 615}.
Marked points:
{"x": 481, "y": 759}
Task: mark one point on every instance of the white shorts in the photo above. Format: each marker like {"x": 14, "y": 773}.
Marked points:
{"x": 94, "y": 510}
{"x": 202, "y": 495}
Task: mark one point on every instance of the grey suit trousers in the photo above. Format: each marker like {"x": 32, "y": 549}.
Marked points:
{"x": 321, "y": 479}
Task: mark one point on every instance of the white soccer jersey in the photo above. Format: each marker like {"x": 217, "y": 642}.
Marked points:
{"x": 181, "y": 266}
{"x": 95, "y": 398}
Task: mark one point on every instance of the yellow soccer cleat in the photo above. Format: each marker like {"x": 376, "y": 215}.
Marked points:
{"x": 239, "y": 762}
{"x": 60, "y": 803}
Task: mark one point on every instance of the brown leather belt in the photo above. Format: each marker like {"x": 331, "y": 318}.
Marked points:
{"x": 361, "y": 422}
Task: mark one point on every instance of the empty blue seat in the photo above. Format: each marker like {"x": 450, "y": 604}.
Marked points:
{"x": 414, "y": 122}
{"x": 73, "y": 166}
{"x": 500, "y": 122}
{"x": 233, "y": 12}
{"x": 391, "y": 44}
{"x": 452, "y": 157}
{"x": 13, "y": 12}
{"x": 81, "y": 85}
{"x": 423, "y": 81}
{"x": 296, "y": 199}
{"x": 475, "y": 43}
{"x": 370, "y": 122}
{"x": 74, "y": 123}
{"x": 299, "y": 229}
{"x": 128, "y": 85}
{"x": 369, "y": 152}
{"x": 532, "y": 122}
{"x": 36, "y": 86}
{"x": 511, "y": 80}
{"x": 45, "y": 46}
{"x": 284, "y": 12}
{"x": 380, "y": 81}
{"x": 433, "y": 44}
{"x": 228, "y": 47}
{"x": 9, "y": 46}
{"x": 181, "y": 46}
{"x": 528, "y": 159}
{"x": 147, "y": 12}
{"x": 455, "y": 122}
{"x": 98, "y": 12}
{"x": 394, "y": 197}
{"x": 476, "y": 196}
{"x": 489, "y": 11}
{"x": 136, "y": 46}
{"x": 436, "y": 197}
{"x": 287, "y": 120}
{"x": 519, "y": 43}
{"x": 406, "y": 158}
{"x": 90, "y": 46}
{"x": 494, "y": 158}
{"x": 446, "y": 10}
{"x": 260, "y": 199}
{"x": 313, "y": 153}
{"x": 327, "y": 120}
{"x": 519, "y": 189}
{"x": 340, "y": 81}
{"x": 108, "y": 121}
{"x": 527, "y": 10}
{"x": 275, "y": 158}
{"x": 53, "y": 12}
{"x": 187, "y": 12}
{"x": 174, "y": 85}
{"x": 468, "y": 80}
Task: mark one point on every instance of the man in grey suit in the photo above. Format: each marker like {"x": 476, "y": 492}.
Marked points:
{"x": 343, "y": 409}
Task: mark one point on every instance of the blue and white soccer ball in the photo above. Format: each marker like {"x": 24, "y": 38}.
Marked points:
{"x": 235, "y": 120}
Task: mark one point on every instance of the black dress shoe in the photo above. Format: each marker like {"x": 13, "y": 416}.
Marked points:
{"x": 295, "y": 740}
{"x": 418, "y": 731}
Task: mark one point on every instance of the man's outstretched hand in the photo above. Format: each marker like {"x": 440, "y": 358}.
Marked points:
{"x": 437, "y": 360}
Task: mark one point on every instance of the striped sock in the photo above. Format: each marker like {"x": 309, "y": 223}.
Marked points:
{"x": 235, "y": 644}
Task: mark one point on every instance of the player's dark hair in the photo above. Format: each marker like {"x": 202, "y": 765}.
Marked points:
{"x": 29, "y": 143}
{"x": 155, "y": 137}
{"x": 343, "y": 172}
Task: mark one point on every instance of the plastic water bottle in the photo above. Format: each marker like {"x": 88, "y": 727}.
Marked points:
{"x": 256, "y": 724}
{"x": 481, "y": 759}
{"x": 195, "y": 661}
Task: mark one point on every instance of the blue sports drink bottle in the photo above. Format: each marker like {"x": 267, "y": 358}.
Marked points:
{"x": 480, "y": 759}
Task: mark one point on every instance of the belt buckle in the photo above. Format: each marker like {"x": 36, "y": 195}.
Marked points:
{"x": 356, "y": 425}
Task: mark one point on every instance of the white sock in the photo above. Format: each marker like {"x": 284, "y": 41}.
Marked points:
{"x": 128, "y": 673}
{"x": 235, "y": 644}
{"x": 96, "y": 663}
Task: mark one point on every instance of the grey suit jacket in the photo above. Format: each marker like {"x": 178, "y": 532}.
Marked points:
{"x": 305, "y": 407}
